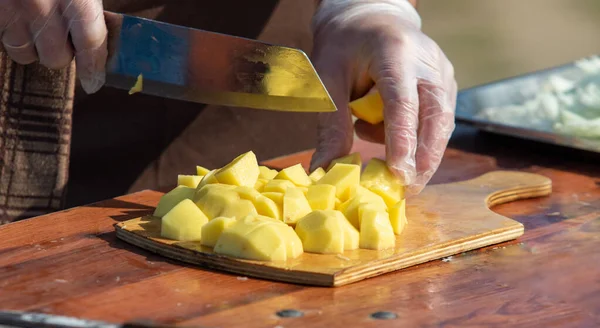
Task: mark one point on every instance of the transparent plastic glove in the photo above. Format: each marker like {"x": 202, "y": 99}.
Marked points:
{"x": 55, "y": 31}
{"x": 359, "y": 44}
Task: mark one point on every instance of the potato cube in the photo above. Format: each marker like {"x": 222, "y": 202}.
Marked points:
{"x": 379, "y": 179}
{"x": 375, "y": 229}
{"x": 213, "y": 229}
{"x": 260, "y": 184}
{"x": 345, "y": 178}
{"x": 296, "y": 175}
{"x": 317, "y": 174}
{"x": 321, "y": 197}
{"x": 368, "y": 108}
{"x": 209, "y": 178}
{"x": 353, "y": 158}
{"x": 295, "y": 205}
{"x": 267, "y": 207}
{"x": 183, "y": 222}
{"x": 242, "y": 171}
{"x": 266, "y": 173}
{"x": 202, "y": 171}
{"x": 172, "y": 198}
{"x": 191, "y": 181}
{"x": 398, "y": 216}
{"x": 253, "y": 238}
{"x": 361, "y": 196}
{"x": 239, "y": 209}
{"x": 326, "y": 232}
{"x": 278, "y": 185}
{"x": 214, "y": 201}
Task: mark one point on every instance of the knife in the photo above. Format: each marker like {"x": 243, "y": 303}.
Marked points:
{"x": 19, "y": 319}
{"x": 211, "y": 68}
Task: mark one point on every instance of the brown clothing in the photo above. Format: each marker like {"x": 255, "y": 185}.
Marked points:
{"x": 120, "y": 143}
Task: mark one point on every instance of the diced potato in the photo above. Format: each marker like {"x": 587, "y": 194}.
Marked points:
{"x": 303, "y": 189}
{"x": 138, "y": 86}
{"x": 375, "y": 229}
{"x": 191, "y": 181}
{"x": 398, "y": 216}
{"x": 277, "y": 198}
{"x": 296, "y": 175}
{"x": 317, "y": 174}
{"x": 267, "y": 207}
{"x": 213, "y": 229}
{"x": 202, "y": 171}
{"x": 214, "y": 201}
{"x": 345, "y": 178}
{"x": 209, "y": 178}
{"x": 183, "y": 222}
{"x": 294, "y": 244}
{"x": 254, "y": 239}
{"x": 353, "y": 158}
{"x": 326, "y": 232}
{"x": 295, "y": 205}
{"x": 239, "y": 209}
{"x": 278, "y": 185}
{"x": 321, "y": 197}
{"x": 247, "y": 193}
{"x": 368, "y": 108}
{"x": 379, "y": 179}
{"x": 172, "y": 198}
{"x": 260, "y": 184}
{"x": 361, "y": 196}
{"x": 242, "y": 171}
{"x": 266, "y": 173}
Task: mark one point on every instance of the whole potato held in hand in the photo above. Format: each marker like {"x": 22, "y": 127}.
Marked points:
{"x": 362, "y": 44}
{"x": 53, "y": 32}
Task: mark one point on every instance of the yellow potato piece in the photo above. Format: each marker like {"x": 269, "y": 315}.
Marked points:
{"x": 212, "y": 230}
{"x": 379, "y": 179}
{"x": 214, "y": 201}
{"x": 345, "y": 178}
{"x": 294, "y": 244}
{"x": 172, "y": 198}
{"x": 208, "y": 178}
{"x": 368, "y": 108}
{"x": 183, "y": 222}
{"x": 239, "y": 209}
{"x": 138, "y": 86}
{"x": 255, "y": 239}
{"x": 326, "y": 232}
{"x": 296, "y": 175}
{"x": 317, "y": 174}
{"x": 191, "y": 181}
{"x": 361, "y": 196}
{"x": 321, "y": 197}
{"x": 278, "y": 185}
{"x": 295, "y": 205}
{"x": 353, "y": 158}
{"x": 267, "y": 207}
{"x": 266, "y": 173}
{"x": 260, "y": 184}
{"x": 398, "y": 216}
{"x": 200, "y": 170}
{"x": 247, "y": 193}
{"x": 375, "y": 229}
{"x": 215, "y": 187}
{"x": 242, "y": 171}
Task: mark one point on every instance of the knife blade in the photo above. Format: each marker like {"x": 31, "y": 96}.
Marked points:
{"x": 211, "y": 68}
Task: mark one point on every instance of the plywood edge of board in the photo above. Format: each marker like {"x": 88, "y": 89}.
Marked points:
{"x": 222, "y": 263}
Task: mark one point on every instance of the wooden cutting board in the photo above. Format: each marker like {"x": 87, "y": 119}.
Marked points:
{"x": 443, "y": 220}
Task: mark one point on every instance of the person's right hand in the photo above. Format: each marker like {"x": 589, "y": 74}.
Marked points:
{"x": 53, "y": 32}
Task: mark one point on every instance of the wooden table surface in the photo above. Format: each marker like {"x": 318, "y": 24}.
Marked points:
{"x": 70, "y": 262}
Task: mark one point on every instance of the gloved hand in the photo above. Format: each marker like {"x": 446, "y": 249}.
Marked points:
{"x": 53, "y": 31}
{"x": 359, "y": 44}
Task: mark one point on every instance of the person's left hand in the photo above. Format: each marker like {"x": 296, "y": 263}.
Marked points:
{"x": 359, "y": 44}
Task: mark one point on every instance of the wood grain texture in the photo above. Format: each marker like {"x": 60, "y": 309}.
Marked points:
{"x": 71, "y": 262}
{"x": 444, "y": 220}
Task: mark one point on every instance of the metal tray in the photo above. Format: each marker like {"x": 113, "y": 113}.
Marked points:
{"x": 517, "y": 90}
